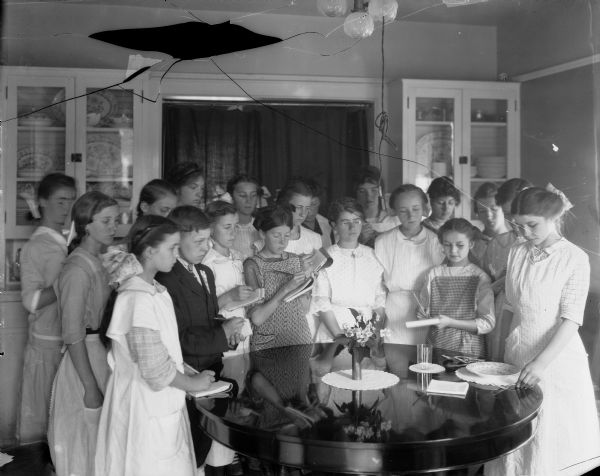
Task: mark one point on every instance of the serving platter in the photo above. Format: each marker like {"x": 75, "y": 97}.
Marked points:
{"x": 100, "y": 103}
{"x": 492, "y": 369}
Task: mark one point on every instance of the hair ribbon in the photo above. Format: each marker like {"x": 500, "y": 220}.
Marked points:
{"x": 567, "y": 205}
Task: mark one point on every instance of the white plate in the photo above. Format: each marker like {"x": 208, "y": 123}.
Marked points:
{"x": 100, "y": 103}
{"x": 492, "y": 369}
{"x": 33, "y": 163}
{"x": 427, "y": 368}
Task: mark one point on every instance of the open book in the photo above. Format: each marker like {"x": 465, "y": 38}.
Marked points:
{"x": 217, "y": 389}
{"x": 256, "y": 296}
{"x": 320, "y": 259}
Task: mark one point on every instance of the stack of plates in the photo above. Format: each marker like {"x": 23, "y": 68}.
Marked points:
{"x": 491, "y": 167}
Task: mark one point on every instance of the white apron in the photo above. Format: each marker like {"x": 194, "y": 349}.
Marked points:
{"x": 143, "y": 432}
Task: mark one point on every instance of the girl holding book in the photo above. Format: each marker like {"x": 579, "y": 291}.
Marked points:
{"x": 277, "y": 323}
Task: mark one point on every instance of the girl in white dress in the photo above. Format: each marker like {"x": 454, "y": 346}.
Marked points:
{"x": 302, "y": 241}
{"x": 494, "y": 263}
{"x": 354, "y": 280}
{"x": 144, "y": 428}
{"x": 42, "y": 259}
{"x": 406, "y": 253}
{"x": 547, "y": 284}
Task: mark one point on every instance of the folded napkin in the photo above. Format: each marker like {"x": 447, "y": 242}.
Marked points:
{"x": 445, "y": 387}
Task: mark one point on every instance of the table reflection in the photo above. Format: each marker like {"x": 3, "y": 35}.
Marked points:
{"x": 282, "y": 404}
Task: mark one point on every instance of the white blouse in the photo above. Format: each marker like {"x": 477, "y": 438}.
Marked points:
{"x": 354, "y": 280}
{"x": 407, "y": 260}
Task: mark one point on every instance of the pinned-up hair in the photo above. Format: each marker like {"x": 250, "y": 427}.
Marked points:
{"x": 485, "y": 190}
{"x": 271, "y": 217}
{"x": 189, "y": 218}
{"x": 537, "y": 201}
{"x": 149, "y": 231}
{"x": 295, "y": 187}
{"x": 510, "y": 189}
{"x": 408, "y": 188}
{"x": 219, "y": 208}
{"x": 459, "y": 225}
{"x": 241, "y": 178}
{"x": 183, "y": 173}
{"x": 83, "y": 211}
{"x": 345, "y": 204}
{"x": 153, "y": 191}
{"x": 368, "y": 174}
{"x": 443, "y": 187}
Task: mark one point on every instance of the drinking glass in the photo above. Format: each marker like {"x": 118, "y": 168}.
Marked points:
{"x": 424, "y": 356}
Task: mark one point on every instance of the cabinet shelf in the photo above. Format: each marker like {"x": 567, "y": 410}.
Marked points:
{"x": 42, "y": 128}
{"x": 488, "y": 124}
{"x": 434, "y": 123}
{"x": 109, "y": 129}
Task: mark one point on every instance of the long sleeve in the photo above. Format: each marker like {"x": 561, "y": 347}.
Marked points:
{"x": 41, "y": 262}
{"x": 485, "y": 319}
{"x": 148, "y": 351}
{"x": 200, "y": 338}
{"x": 199, "y": 333}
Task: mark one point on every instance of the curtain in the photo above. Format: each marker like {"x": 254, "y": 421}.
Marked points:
{"x": 327, "y": 143}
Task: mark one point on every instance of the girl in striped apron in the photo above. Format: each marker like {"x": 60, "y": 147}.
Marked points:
{"x": 459, "y": 293}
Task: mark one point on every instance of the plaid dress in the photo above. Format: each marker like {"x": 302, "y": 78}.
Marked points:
{"x": 462, "y": 293}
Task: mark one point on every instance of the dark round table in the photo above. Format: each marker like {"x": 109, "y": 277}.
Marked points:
{"x": 284, "y": 414}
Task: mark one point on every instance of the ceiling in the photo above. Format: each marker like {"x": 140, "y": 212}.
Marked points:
{"x": 487, "y": 13}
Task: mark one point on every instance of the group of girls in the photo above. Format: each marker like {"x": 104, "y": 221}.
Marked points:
{"x": 517, "y": 282}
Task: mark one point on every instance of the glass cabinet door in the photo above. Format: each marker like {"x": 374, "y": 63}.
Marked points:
{"x": 38, "y": 142}
{"x": 432, "y": 135}
{"x": 109, "y": 148}
{"x": 488, "y": 141}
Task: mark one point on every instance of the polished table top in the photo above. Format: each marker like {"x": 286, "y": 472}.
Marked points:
{"x": 283, "y": 413}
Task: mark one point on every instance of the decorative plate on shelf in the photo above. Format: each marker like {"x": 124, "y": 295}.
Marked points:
{"x": 100, "y": 103}
{"x": 434, "y": 147}
{"x": 103, "y": 160}
{"x": 33, "y": 163}
{"x": 492, "y": 369}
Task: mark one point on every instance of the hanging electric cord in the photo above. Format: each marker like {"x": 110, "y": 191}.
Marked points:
{"x": 382, "y": 121}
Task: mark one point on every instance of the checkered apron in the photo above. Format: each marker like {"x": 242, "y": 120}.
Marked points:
{"x": 455, "y": 297}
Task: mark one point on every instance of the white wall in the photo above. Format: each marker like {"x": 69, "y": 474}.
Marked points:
{"x": 43, "y": 34}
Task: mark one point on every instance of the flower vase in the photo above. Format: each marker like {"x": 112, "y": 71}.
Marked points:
{"x": 358, "y": 353}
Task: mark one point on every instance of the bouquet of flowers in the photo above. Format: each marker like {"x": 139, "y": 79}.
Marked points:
{"x": 364, "y": 424}
{"x": 367, "y": 332}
